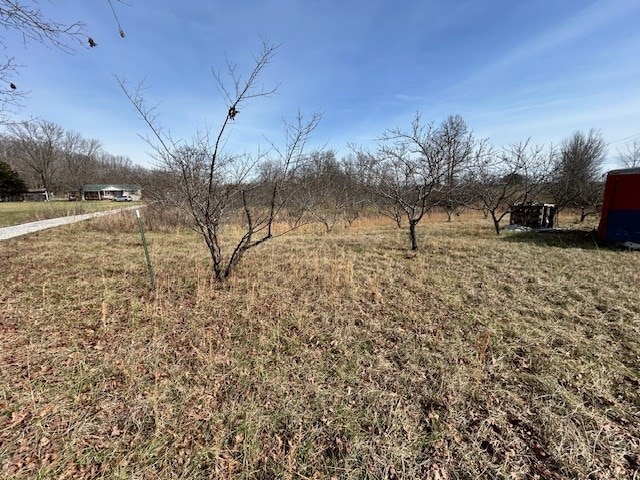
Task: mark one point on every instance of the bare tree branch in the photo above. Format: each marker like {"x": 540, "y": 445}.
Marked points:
{"x": 26, "y": 18}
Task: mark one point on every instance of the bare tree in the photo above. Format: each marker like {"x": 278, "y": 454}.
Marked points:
{"x": 576, "y": 176}
{"x": 408, "y": 170}
{"x": 215, "y": 188}
{"x": 457, "y": 144}
{"x": 113, "y": 168}
{"x": 366, "y": 169}
{"x": 39, "y": 145}
{"x": 78, "y": 160}
{"x": 353, "y": 193}
{"x": 328, "y": 191}
{"x": 629, "y": 157}
{"x": 499, "y": 180}
{"x": 8, "y": 152}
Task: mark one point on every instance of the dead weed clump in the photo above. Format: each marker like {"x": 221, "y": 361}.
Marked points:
{"x": 325, "y": 356}
{"x": 155, "y": 218}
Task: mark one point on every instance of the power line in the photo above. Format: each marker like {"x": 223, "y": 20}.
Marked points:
{"x": 630, "y": 137}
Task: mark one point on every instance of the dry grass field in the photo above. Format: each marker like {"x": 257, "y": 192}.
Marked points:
{"x": 339, "y": 356}
{"x": 14, "y": 213}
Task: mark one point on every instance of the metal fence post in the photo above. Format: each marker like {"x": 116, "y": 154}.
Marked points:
{"x": 152, "y": 274}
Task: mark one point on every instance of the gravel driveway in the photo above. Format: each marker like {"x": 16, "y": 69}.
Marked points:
{"x": 18, "y": 230}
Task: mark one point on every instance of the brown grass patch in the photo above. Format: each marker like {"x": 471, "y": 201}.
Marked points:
{"x": 326, "y": 356}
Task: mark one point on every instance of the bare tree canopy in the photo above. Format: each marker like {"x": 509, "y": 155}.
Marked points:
{"x": 576, "y": 176}
{"x": 458, "y": 147}
{"x": 39, "y": 146}
{"x": 629, "y": 156}
{"x": 327, "y": 191}
{"x": 500, "y": 179}
{"x": 77, "y": 158}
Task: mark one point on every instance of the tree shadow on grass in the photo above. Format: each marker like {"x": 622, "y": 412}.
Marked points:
{"x": 585, "y": 239}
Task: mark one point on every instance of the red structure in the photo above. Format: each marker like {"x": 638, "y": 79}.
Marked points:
{"x": 620, "y": 219}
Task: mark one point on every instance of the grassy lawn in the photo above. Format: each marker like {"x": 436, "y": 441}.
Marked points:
{"x": 15, "y": 213}
{"x": 326, "y": 356}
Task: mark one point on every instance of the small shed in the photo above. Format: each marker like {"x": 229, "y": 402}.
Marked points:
{"x": 110, "y": 191}
{"x": 37, "y": 195}
{"x": 533, "y": 215}
{"x": 620, "y": 218}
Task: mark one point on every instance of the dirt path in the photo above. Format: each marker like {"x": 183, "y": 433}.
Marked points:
{"x": 26, "y": 228}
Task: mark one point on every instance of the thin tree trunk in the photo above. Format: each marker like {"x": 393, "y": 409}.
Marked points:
{"x": 584, "y": 214}
{"x": 398, "y": 219}
{"x": 496, "y": 222}
{"x": 412, "y": 235}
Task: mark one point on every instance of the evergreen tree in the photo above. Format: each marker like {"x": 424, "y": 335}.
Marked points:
{"x": 10, "y": 182}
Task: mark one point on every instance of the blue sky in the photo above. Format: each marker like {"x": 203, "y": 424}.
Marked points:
{"x": 539, "y": 69}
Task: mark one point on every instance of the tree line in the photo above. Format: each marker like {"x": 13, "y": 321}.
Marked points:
{"x": 409, "y": 173}
{"x": 427, "y": 167}
{"x": 42, "y": 154}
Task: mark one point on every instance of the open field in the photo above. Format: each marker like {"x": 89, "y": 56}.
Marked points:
{"x": 15, "y": 213}
{"x": 326, "y": 356}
